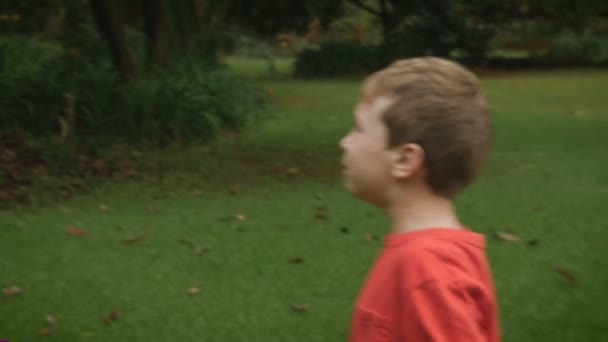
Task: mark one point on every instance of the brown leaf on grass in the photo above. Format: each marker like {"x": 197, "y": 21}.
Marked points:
{"x": 322, "y": 208}
{"x": 187, "y": 242}
{"x": 75, "y": 231}
{"x": 111, "y": 317}
{"x": 103, "y": 208}
{"x": 240, "y": 217}
{"x": 227, "y": 218}
{"x": 12, "y": 291}
{"x": 197, "y": 192}
{"x": 193, "y": 291}
{"x": 293, "y": 171}
{"x": 300, "y": 308}
{"x": 46, "y": 331}
{"x": 134, "y": 239}
{"x": 372, "y": 237}
{"x": 566, "y": 275}
{"x": 50, "y": 319}
{"x": 233, "y": 190}
{"x": 321, "y": 216}
{"x": 506, "y": 237}
{"x": 579, "y": 113}
{"x": 296, "y": 260}
{"x": 200, "y": 250}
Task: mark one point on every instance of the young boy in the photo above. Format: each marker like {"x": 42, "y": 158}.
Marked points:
{"x": 422, "y": 131}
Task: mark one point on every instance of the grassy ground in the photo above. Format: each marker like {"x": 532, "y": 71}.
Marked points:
{"x": 261, "y": 67}
{"x": 273, "y": 195}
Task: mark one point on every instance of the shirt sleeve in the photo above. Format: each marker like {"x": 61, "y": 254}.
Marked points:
{"x": 442, "y": 311}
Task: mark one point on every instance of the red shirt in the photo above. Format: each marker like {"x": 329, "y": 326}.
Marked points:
{"x": 429, "y": 285}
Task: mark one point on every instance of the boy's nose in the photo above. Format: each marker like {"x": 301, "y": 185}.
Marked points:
{"x": 342, "y": 142}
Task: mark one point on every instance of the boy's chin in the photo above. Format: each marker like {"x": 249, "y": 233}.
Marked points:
{"x": 365, "y": 196}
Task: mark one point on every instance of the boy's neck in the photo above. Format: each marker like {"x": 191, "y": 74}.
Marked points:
{"x": 424, "y": 210}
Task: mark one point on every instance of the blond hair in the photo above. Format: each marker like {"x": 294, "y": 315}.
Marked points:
{"x": 440, "y": 106}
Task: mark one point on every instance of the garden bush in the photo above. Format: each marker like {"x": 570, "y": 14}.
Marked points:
{"x": 341, "y": 58}
{"x": 568, "y": 47}
{"x": 48, "y": 89}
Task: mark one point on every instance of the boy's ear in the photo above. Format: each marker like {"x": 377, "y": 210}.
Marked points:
{"x": 406, "y": 160}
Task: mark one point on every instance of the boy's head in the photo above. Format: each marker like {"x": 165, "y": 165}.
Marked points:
{"x": 420, "y": 121}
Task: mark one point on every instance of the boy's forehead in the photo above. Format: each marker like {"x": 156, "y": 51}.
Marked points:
{"x": 369, "y": 89}
{"x": 372, "y": 108}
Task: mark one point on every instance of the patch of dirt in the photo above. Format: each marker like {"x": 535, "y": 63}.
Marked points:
{"x": 21, "y": 164}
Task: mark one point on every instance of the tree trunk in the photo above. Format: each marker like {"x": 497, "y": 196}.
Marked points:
{"x": 386, "y": 22}
{"x": 112, "y": 31}
{"x": 385, "y": 15}
{"x": 55, "y": 22}
{"x": 155, "y": 25}
{"x": 389, "y": 17}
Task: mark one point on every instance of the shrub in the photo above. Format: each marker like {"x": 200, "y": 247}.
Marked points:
{"x": 187, "y": 102}
{"x": 342, "y": 58}
{"x": 333, "y": 58}
{"x": 571, "y": 48}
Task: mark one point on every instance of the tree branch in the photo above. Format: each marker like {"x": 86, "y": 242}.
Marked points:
{"x": 365, "y": 7}
{"x": 383, "y": 7}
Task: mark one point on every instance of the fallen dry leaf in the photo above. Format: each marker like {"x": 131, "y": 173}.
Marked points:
{"x": 567, "y": 275}
{"x": 193, "y": 291}
{"x": 103, "y": 207}
{"x": 296, "y": 260}
{"x": 75, "y": 231}
{"x": 111, "y": 317}
{"x": 46, "y": 331}
{"x": 233, "y": 190}
{"x": 293, "y": 171}
{"x": 579, "y": 113}
{"x": 187, "y": 242}
{"x": 200, "y": 250}
{"x": 506, "y": 237}
{"x": 321, "y": 216}
{"x": 372, "y": 237}
{"x": 134, "y": 239}
{"x": 227, "y": 218}
{"x": 197, "y": 192}
{"x": 50, "y": 319}
{"x": 240, "y": 217}
{"x": 300, "y": 308}
{"x": 11, "y": 291}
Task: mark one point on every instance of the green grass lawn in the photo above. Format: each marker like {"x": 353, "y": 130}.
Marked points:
{"x": 547, "y": 180}
{"x": 261, "y": 67}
